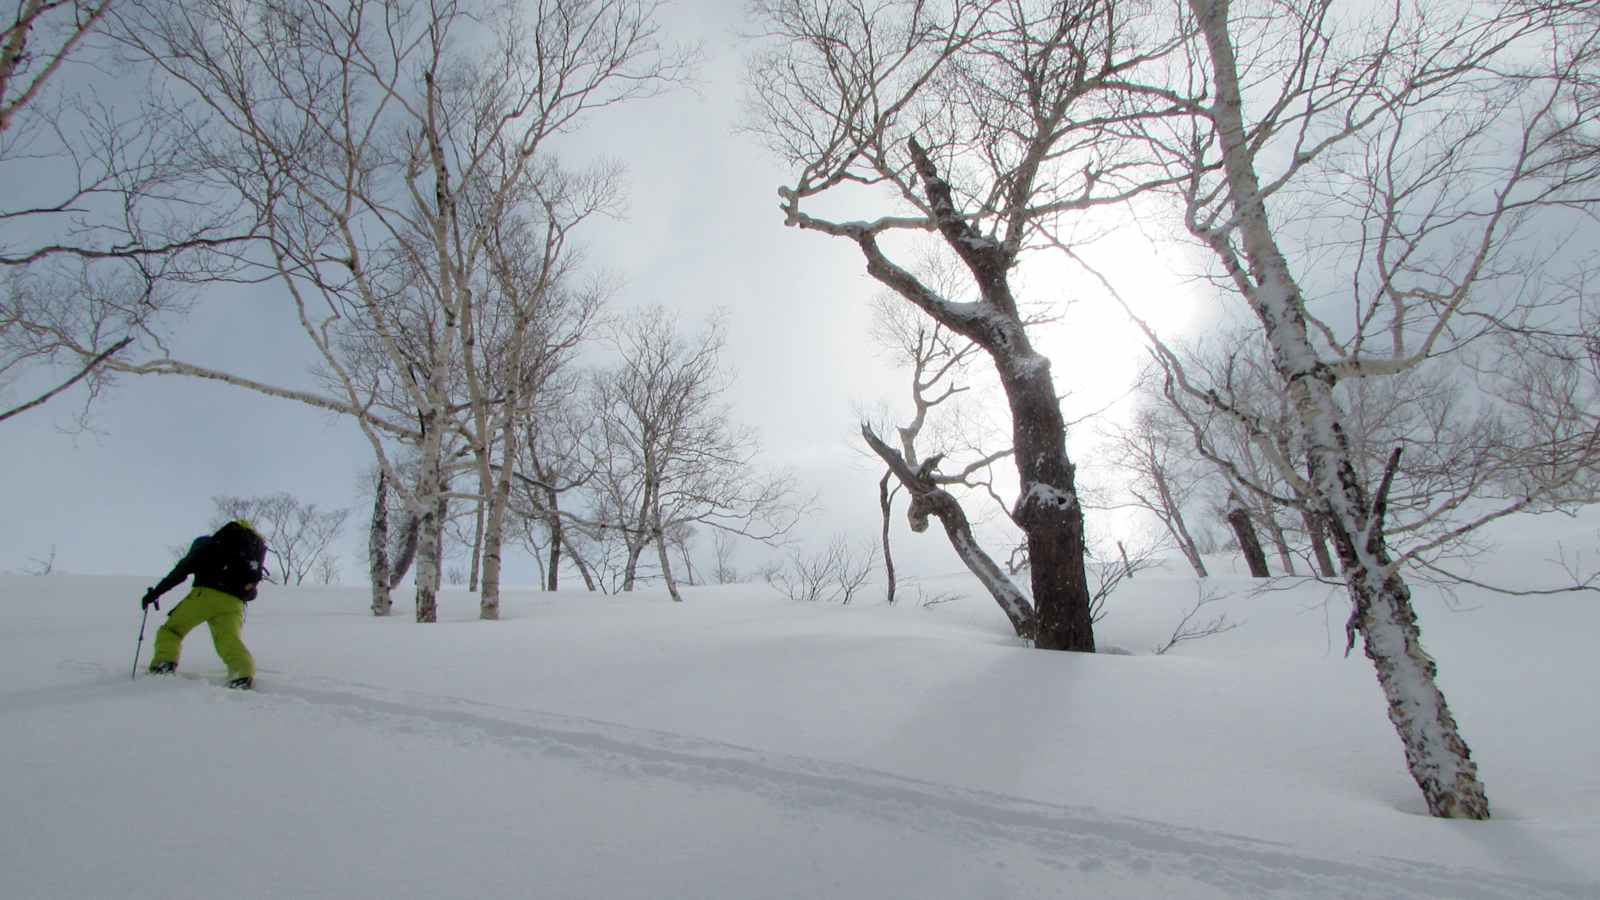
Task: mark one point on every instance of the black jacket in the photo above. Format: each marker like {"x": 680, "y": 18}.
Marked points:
{"x": 217, "y": 564}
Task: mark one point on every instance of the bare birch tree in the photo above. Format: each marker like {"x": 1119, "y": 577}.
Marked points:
{"x": 1161, "y": 475}
{"x": 836, "y": 572}
{"x": 378, "y": 555}
{"x": 366, "y": 134}
{"x": 670, "y": 453}
{"x": 534, "y": 314}
{"x": 558, "y": 467}
{"x": 100, "y": 226}
{"x": 722, "y": 567}
{"x": 1362, "y": 186}
{"x": 298, "y": 534}
{"x": 34, "y": 47}
{"x": 74, "y": 313}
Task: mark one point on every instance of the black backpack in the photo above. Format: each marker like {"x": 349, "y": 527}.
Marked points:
{"x": 236, "y": 560}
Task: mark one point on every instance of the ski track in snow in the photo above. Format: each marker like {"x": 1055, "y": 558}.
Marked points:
{"x": 1079, "y": 841}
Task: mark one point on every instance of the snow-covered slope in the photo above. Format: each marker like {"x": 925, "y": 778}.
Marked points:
{"x": 741, "y": 746}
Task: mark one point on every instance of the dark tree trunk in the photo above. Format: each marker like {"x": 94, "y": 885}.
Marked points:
{"x": 1318, "y": 534}
{"x": 410, "y": 534}
{"x": 554, "y": 582}
{"x": 688, "y": 564}
{"x": 1048, "y": 510}
{"x": 1280, "y": 543}
{"x": 1245, "y": 531}
{"x": 553, "y": 522}
{"x": 582, "y": 567}
{"x": 886, "y": 505}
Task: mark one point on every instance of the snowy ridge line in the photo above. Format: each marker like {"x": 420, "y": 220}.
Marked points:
{"x": 1073, "y": 839}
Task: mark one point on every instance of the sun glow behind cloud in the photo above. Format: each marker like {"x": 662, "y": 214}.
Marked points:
{"x": 1096, "y": 348}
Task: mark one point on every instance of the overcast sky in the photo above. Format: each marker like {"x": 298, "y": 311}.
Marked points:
{"x": 703, "y": 232}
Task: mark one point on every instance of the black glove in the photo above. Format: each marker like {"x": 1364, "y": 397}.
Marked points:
{"x": 150, "y": 600}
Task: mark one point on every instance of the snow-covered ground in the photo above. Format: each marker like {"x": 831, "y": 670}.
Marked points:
{"x": 742, "y": 746}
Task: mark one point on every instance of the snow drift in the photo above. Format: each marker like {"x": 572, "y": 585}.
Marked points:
{"x": 738, "y": 746}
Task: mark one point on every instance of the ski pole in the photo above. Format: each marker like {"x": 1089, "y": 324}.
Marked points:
{"x": 139, "y": 646}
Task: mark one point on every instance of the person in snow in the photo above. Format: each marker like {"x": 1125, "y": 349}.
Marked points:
{"x": 226, "y": 567}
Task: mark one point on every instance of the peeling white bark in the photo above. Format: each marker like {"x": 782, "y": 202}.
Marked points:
{"x": 378, "y": 548}
{"x": 1438, "y": 758}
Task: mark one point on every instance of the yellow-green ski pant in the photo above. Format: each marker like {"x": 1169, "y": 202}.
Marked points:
{"x": 224, "y": 613}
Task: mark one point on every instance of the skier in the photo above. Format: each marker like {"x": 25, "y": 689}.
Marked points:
{"x": 226, "y": 567}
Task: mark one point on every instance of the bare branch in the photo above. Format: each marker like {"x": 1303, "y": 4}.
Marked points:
{"x": 82, "y": 374}
{"x": 1188, "y": 629}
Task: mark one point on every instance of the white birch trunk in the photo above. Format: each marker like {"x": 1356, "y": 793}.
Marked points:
{"x": 475, "y": 570}
{"x": 1175, "y": 523}
{"x": 638, "y": 540}
{"x": 378, "y": 548}
{"x": 666, "y": 565}
{"x": 429, "y": 497}
{"x": 631, "y": 568}
{"x": 1436, "y": 755}
{"x": 430, "y": 537}
{"x": 494, "y": 532}
{"x": 489, "y": 601}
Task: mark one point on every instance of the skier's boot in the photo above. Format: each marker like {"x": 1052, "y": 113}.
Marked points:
{"x": 242, "y": 684}
{"x": 163, "y": 668}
